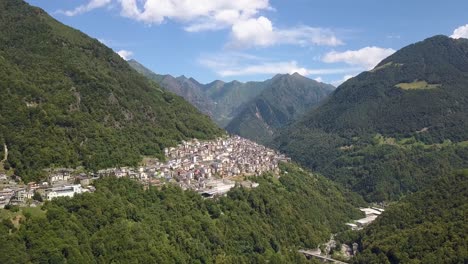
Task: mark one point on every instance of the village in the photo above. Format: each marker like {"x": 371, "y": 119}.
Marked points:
{"x": 211, "y": 168}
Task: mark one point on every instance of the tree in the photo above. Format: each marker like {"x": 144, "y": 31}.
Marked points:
{"x": 37, "y": 197}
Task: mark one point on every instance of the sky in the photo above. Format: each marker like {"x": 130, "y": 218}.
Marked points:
{"x": 252, "y": 40}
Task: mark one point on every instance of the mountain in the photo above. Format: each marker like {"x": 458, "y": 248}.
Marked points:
{"x": 426, "y": 227}
{"x": 391, "y": 130}
{"x": 422, "y": 87}
{"x": 189, "y": 89}
{"x": 220, "y": 100}
{"x": 234, "y": 105}
{"x": 285, "y": 98}
{"x": 231, "y": 97}
{"x": 69, "y": 101}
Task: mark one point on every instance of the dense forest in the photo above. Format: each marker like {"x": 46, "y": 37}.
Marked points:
{"x": 123, "y": 223}
{"x": 68, "y": 100}
{"x": 391, "y": 130}
{"x": 429, "y": 226}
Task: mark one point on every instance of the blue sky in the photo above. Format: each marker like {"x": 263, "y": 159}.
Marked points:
{"x": 327, "y": 40}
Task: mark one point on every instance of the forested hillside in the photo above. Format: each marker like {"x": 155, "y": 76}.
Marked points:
{"x": 68, "y": 100}
{"x": 392, "y": 130}
{"x": 253, "y": 110}
{"x": 121, "y": 222}
{"x": 188, "y": 88}
{"x": 220, "y": 100}
{"x": 285, "y": 99}
{"x": 429, "y": 226}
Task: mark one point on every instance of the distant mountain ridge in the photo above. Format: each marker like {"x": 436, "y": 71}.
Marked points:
{"x": 286, "y": 98}
{"x": 252, "y": 109}
{"x": 218, "y": 99}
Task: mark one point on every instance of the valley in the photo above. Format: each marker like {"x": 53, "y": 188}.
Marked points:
{"x": 105, "y": 160}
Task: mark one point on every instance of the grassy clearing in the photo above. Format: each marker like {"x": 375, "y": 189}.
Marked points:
{"x": 388, "y": 64}
{"x": 417, "y": 85}
{"x": 15, "y": 217}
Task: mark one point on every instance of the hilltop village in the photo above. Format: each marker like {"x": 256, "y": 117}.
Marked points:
{"x": 208, "y": 167}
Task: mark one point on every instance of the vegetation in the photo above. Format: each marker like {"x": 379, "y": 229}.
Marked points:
{"x": 286, "y": 98}
{"x": 426, "y": 227}
{"x": 123, "y": 223}
{"x": 423, "y": 129}
{"x": 417, "y": 85}
{"x": 68, "y": 100}
{"x": 188, "y": 88}
{"x": 222, "y": 101}
{"x": 253, "y": 110}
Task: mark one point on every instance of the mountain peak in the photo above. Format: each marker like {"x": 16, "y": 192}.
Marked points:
{"x": 296, "y": 74}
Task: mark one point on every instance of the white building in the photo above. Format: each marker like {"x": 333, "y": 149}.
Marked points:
{"x": 64, "y": 191}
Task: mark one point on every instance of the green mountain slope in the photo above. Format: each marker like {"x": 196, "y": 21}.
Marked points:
{"x": 231, "y": 97}
{"x": 285, "y": 98}
{"x": 391, "y": 130}
{"x": 429, "y": 226}
{"x": 122, "y": 222}
{"x": 422, "y": 87}
{"x": 220, "y": 100}
{"x": 67, "y": 100}
{"x": 188, "y": 88}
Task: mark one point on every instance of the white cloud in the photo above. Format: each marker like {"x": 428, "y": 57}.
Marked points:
{"x": 366, "y": 57}
{"x": 200, "y": 14}
{"x": 319, "y": 79}
{"x": 460, "y": 32}
{"x": 261, "y": 32}
{"x": 125, "y": 54}
{"x": 242, "y": 17}
{"x": 241, "y": 64}
{"x": 93, "y": 4}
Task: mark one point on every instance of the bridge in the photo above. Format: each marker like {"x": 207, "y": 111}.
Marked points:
{"x": 315, "y": 254}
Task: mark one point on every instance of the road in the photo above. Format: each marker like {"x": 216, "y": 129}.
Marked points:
{"x": 313, "y": 253}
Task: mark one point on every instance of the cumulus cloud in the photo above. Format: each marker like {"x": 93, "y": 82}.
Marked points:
{"x": 93, "y": 4}
{"x": 460, "y": 32}
{"x": 125, "y": 54}
{"x": 242, "y": 17}
{"x": 366, "y": 57}
{"x": 241, "y": 64}
{"x": 261, "y": 32}
{"x": 200, "y": 15}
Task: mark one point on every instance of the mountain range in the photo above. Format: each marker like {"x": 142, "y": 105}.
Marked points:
{"x": 397, "y": 135}
{"x": 253, "y": 110}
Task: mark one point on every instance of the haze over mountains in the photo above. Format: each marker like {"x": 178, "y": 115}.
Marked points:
{"x": 254, "y": 110}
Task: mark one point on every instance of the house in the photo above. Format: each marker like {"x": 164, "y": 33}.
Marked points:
{"x": 63, "y": 191}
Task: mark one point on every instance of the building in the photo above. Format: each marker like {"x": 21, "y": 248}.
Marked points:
{"x": 63, "y": 191}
